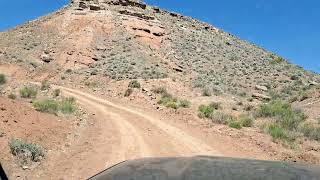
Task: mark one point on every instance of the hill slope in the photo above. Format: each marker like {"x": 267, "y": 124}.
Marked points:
{"x": 129, "y": 40}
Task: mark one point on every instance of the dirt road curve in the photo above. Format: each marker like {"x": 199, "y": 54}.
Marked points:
{"x": 117, "y": 134}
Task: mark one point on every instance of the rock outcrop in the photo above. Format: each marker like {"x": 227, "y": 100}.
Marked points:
{"x": 128, "y": 3}
{"x": 139, "y": 15}
{"x": 261, "y": 96}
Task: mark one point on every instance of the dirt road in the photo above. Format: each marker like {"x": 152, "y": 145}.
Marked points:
{"x": 119, "y": 133}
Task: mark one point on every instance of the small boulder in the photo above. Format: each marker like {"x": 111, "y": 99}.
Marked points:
{"x": 313, "y": 83}
{"x": 262, "y": 88}
{"x": 2, "y": 134}
{"x": 82, "y": 5}
{"x": 145, "y": 90}
{"x": 228, "y": 43}
{"x": 261, "y": 96}
{"x": 94, "y": 72}
{"x": 158, "y": 34}
{"x": 46, "y": 58}
{"x": 156, "y": 10}
{"x": 94, "y": 7}
{"x": 95, "y": 58}
{"x": 178, "y": 69}
{"x": 173, "y": 14}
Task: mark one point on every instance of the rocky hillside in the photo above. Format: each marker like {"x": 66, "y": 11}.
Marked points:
{"x": 125, "y": 39}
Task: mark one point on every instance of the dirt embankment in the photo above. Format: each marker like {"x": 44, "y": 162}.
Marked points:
{"x": 19, "y": 120}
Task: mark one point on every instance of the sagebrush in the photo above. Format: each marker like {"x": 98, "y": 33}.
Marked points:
{"x": 28, "y": 92}
{"x": 18, "y": 146}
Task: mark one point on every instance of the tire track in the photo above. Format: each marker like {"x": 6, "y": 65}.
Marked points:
{"x": 179, "y": 137}
{"x": 132, "y": 145}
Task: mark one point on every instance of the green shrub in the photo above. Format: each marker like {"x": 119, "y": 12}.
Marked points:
{"x": 128, "y": 92}
{"x": 67, "y": 106}
{"x": 164, "y": 100}
{"x": 316, "y": 134}
{"x": 235, "y": 124}
{"x": 303, "y": 95}
{"x": 293, "y": 99}
{"x": 248, "y": 107}
{"x": 287, "y": 120}
{"x": 56, "y": 92}
{"x": 245, "y": 120}
{"x": 294, "y": 77}
{"x": 160, "y": 90}
{"x": 134, "y": 84}
{"x": 18, "y": 147}
{"x": 310, "y": 131}
{"x": 276, "y": 60}
{"x": 240, "y": 103}
{"x": 287, "y": 117}
{"x": 69, "y": 71}
{"x": 206, "y": 92}
{"x": 292, "y": 119}
{"x": 277, "y": 132}
{"x": 306, "y": 129}
{"x": 3, "y": 79}
{"x": 215, "y": 105}
{"x": 167, "y": 95}
{"x": 91, "y": 84}
{"x": 250, "y": 99}
{"x": 12, "y": 96}
{"x": 184, "y": 103}
{"x": 274, "y": 95}
{"x": 45, "y": 85}
{"x": 242, "y": 94}
{"x": 205, "y": 111}
{"x": 168, "y": 101}
{"x": 48, "y": 106}
{"x": 172, "y": 104}
{"x": 28, "y": 92}
{"x": 70, "y": 99}
{"x": 222, "y": 118}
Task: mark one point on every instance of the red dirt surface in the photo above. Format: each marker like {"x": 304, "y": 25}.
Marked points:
{"x": 19, "y": 120}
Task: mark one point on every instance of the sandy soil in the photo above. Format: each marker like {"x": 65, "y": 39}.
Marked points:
{"x": 18, "y": 120}
{"x": 119, "y": 133}
{"x": 115, "y": 131}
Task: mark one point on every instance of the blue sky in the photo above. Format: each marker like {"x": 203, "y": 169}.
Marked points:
{"x": 290, "y": 28}
{"x": 14, "y": 13}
